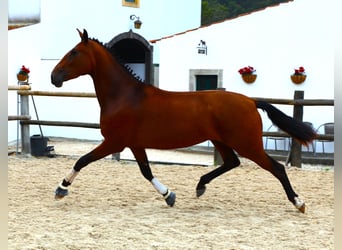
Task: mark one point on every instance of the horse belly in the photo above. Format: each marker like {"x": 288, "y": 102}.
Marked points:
{"x": 169, "y": 139}
{"x": 167, "y": 131}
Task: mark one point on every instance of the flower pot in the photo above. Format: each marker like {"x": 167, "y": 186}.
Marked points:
{"x": 249, "y": 78}
{"x": 298, "y": 79}
{"x": 22, "y": 77}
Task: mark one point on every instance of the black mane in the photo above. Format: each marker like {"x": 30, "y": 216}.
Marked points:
{"x": 120, "y": 60}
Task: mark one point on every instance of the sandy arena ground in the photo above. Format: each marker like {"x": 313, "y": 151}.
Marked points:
{"x": 111, "y": 206}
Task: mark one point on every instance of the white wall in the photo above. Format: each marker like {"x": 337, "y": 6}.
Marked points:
{"x": 274, "y": 41}
{"x": 104, "y": 19}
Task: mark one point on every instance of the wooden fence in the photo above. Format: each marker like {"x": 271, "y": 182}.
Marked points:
{"x": 24, "y": 91}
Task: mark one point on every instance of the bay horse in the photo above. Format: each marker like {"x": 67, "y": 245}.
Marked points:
{"x": 140, "y": 116}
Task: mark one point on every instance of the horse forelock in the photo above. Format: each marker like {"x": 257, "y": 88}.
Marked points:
{"x": 119, "y": 59}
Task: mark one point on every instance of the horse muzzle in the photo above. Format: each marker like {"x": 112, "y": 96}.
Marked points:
{"x": 57, "y": 79}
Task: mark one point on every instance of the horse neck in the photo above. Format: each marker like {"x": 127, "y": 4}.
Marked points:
{"x": 111, "y": 81}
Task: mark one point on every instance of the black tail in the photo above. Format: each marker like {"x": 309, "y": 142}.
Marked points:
{"x": 297, "y": 129}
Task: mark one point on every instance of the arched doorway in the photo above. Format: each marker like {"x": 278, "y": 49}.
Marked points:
{"x": 136, "y": 52}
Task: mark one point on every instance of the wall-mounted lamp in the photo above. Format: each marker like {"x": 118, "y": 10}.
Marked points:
{"x": 137, "y": 22}
{"x": 202, "y": 47}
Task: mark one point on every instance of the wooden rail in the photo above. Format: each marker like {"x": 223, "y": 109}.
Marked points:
{"x": 61, "y": 123}
{"x": 56, "y": 94}
{"x": 25, "y": 119}
{"x": 19, "y": 117}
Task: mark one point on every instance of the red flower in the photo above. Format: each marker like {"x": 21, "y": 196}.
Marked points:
{"x": 246, "y": 70}
{"x": 26, "y": 70}
{"x": 23, "y": 70}
{"x": 299, "y": 71}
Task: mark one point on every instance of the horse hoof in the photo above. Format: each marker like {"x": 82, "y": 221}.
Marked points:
{"x": 299, "y": 204}
{"x": 60, "y": 193}
{"x": 302, "y": 208}
{"x": 171, "y": 199}
{"x": 200, "y": 191}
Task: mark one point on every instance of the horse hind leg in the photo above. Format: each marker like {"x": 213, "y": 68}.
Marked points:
{"x": 230, "y": 161}
{"x": 141, "y": 157}
{"x": 277, "y": 170}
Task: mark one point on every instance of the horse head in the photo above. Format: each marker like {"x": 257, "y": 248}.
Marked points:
{"x": 75, "y": 63}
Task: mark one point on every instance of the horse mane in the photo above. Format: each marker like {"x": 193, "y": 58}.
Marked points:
{"x": 120, "y": 60}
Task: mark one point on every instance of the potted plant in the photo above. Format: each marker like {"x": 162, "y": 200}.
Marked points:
{"x": 298, "y": 76}
{"x": 23, "y": 74}
{"x": 248, "y": 74}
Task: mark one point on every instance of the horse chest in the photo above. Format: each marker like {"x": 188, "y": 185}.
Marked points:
{"x": 117, "y": 122}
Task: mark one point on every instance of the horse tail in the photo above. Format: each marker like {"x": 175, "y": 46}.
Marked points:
{"x": 297, "y": 129}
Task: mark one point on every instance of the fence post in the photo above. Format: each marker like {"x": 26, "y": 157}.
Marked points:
{"x": 296, "y": 147}
{"x": 25, "y": 128}
{"x": 217, "y": 156}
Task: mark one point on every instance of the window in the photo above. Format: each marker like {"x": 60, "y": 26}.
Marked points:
{"x": 131, "y": 3}
{"x": 206, "y": 82}
{"x": 200, "y": 79}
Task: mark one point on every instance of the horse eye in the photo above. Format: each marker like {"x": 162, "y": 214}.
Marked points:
{"x": 73, "y": 52}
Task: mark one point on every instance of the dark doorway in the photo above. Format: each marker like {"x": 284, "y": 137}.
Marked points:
{"x": 136, "y": 52}
{"x": 206, "y": 82}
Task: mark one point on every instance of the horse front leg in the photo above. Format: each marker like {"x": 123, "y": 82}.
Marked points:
{"x": 141, "y": 157}
{"x": 99, "y": 152}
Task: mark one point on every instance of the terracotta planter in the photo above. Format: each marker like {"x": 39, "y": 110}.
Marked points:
{"x": 298, "y": 79}
{"x": 22, "y": 77}
{"x": 249, "y": 78}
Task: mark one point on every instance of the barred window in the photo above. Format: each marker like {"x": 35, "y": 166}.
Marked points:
{"x": 131, "y": 3}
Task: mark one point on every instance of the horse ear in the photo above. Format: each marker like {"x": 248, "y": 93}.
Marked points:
{"x": 80, "y": 33}
{"x": 84, "y": 35}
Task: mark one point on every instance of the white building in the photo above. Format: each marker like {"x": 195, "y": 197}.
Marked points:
{"x": 274, "y": 41}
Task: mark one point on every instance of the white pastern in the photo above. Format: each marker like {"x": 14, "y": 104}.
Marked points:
{"x": 298, "y": 202}
{"x": 71, "y": 176}
{"x": 158, "y": 186}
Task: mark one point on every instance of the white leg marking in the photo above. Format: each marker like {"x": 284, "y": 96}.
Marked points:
{"x": 166, "y": 195}
{"x": 298, "y": 202}
{"x": 159, "y": 187}
{"x": 71, "y": 176}
{"x": 61, "y": 186}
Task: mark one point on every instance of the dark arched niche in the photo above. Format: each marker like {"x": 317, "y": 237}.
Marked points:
{"x": 134, "y": 50}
